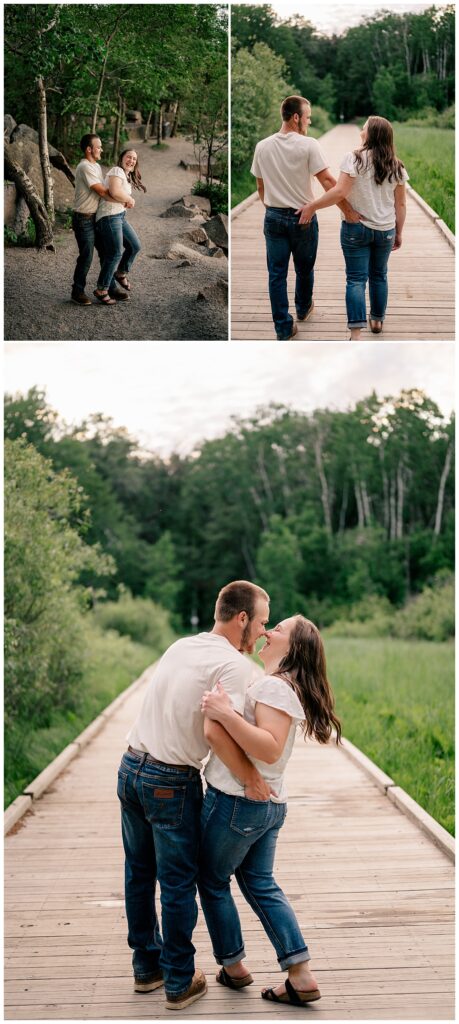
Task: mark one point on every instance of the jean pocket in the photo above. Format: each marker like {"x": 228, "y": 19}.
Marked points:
{"x": 249, "y": 816}
{"x": 163, "y": 804}
{"x": 121, "y": 788}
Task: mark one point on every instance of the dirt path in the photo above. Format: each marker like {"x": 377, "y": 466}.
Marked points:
{"x": 163, "y": 299}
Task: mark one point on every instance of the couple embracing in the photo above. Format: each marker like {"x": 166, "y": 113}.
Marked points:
{"x": 370, "y": 193}
{"x": 99, "y": 221}
{"x": 205, "y": 695}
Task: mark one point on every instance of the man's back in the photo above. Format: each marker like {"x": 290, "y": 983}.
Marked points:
{"x": 170, "y": 723}
{"x": 287, "y": 161}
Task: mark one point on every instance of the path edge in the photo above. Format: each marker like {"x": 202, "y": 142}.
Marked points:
{"x": 252, "y": 198}
{"x": 405, "y": 803}
{"x": 24, "y": 802}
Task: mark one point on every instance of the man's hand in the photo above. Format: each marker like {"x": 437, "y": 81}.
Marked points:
{"x": 397, "y": 241}
{"x": 306, "y": 213}
{"x": 214, "y": 703}
{"x": 256, "y": 788}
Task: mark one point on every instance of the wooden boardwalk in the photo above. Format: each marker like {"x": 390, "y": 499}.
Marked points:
{"x": 372, "y": 893}
{"x": 421, "y": 273}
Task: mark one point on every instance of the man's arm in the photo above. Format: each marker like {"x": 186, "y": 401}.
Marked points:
{"x": 105, "y": 193}
{"x": 101, "y": 190}
{"x": 328, "y": 182}
{"x": 234, "y": 758}
{"x": 261, "y": 189}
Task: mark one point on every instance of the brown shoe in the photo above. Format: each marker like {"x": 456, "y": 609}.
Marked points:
{"x": 197, "y": 989}
{"x": 81, "y": 299}
{"x": 374, "y": 329}
{"x": 294, "y": 331}
{"x": 307, "y": 313}
{"x": 149, "y": 984}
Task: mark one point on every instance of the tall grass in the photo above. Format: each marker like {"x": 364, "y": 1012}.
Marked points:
{"x": 428, "y": 154}
{"x": 395, "y": 699}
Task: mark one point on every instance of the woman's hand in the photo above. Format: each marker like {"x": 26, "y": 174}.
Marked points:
{"x": 306, "y": 213}
{"x": 216, "y": 703}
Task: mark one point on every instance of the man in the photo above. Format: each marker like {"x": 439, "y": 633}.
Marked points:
{"x": 284, "y": 165}
{"x": 89, "y": 188}
{"x": 160, "y": 790}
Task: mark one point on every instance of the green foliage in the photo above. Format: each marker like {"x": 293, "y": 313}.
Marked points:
{"x": 137, "y": 617}
{"x": 258, "y": 87}
{"x": 164, "y": 573}
{"x": 430, "y": 615}
{"x": 430, "y": 159}
{"x": 12, "y": 239}
{"x": 396, "y": 703}
{"x": 217, "y": 193}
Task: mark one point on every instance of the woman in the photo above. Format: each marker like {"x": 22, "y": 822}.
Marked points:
{"x": 239, "y": 835}
{"x": 118, "y": 243}
{"x": 373, "y": 180}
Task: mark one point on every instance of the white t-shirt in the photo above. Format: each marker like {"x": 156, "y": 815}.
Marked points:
{"x": 375, "y": 202}
{"x": 275, "y": 692}
{"x": 108, "y": 208}
{"x": 287, "y": 163}
{"x": 170, "y": 725}
{"x": 87, "y": 174}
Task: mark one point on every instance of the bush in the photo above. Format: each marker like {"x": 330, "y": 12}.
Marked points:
{"x": 321, "y": 121}
{"x": 28, "y": 239}
{"x": 429, "y": 616}
{"x": 218, "y": 195}
{"x": 138, "y": 617}
{"x": 429, "y": 117}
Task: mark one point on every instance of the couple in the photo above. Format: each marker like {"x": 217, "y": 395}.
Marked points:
{"x": 370, "y": 194}
{"x": 205, "y": 694}
{"x": 99, "y": 221}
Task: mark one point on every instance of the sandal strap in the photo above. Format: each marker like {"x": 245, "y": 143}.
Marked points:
{"x": 271, "y": 996}
{"x": 292, "y": 994}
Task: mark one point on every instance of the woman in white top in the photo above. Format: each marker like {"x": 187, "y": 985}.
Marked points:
{"x": 116, "y": 240}
{"x": 239, "y": 835}
{"x": 373, "y": 180}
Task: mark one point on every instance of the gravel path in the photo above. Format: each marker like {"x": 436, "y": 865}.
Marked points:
{"x": 163, "y": 298}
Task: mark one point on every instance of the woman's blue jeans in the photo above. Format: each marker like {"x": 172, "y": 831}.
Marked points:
{"x": 118, "y": 245}
{"x": 238, "y": 836}
{"x": 160, "y": 813}
{"x": 285, "y": 238}
{"x": 366, "y": 254}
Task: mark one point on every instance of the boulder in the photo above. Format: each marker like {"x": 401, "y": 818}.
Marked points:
{"x": 199, "y": 202}
{"x": 9, "y": 203}
{"x": 215, "y": 292}
{"x": 25, "y": 152}
{"x": 178, "y": 210}
{"x": 198, "y": 219}
{"x": 178, "y": 251}
{"x": 134, "y": 116}
{"x": 197, "y": 235}
{"x": 190, "y": 167}
{"x": 217, "y": 230}
{"x": 9, "y": 125}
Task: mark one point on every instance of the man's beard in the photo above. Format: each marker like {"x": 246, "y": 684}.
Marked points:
{"x": 245, "y": 638}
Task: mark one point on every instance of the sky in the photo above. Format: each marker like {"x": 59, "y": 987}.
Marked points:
{"x": 337, "y": 17}
{"x": 172, "y": 395}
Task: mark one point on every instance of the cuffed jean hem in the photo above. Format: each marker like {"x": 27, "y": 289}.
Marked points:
{"x": 232, "y": 958}
{"x": 359, "y": 323}
{"x": 293, "y": 958}
{"x": 377, "y": 316}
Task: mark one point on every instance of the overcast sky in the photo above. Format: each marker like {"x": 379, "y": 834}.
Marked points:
{"x": 171, "y": 395}
{"x": 336, "y": 17}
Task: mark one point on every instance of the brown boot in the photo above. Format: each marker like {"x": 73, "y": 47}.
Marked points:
{"x": 149, "y": 984}
{"x": 81, "y": 299}
{"x": 197, "y": 989}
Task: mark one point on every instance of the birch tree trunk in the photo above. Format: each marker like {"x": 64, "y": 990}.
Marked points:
{"x": 43, "y": 147}
{"x": 365, "y": 502}
{"x": 358, "y": 498}
{"x": 147, "y": 126}
{"x": 159, "y": 125}
{"x": 343, "y": 509}
{"x": 441, "y": 490}
{"x": 323, "y": 484}
{"x": 175, "y": 121}
{"x": 43, "y": 226}
{"x": 400, "y": 500}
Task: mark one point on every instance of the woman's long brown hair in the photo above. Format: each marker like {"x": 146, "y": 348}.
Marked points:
{"x": 380, "y": 143}
{"x": 134, "y": 176}
{"x": 306, "y": 669}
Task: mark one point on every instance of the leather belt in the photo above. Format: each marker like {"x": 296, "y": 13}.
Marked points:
{"x": 149, "y": 759}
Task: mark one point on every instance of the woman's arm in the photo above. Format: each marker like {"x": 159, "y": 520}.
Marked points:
{"x": 335, "y": 195}
{"x": 400, "y": 214}
{"x": 234, "y": 758}
{"x": 265, "y": 740}
{"x": 117, "y": 191}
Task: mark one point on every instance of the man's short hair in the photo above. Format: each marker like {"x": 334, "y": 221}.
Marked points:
{"x": 236, "y": 597}
{"x": 87, "y": 141}
{"x": 293, "y": 105}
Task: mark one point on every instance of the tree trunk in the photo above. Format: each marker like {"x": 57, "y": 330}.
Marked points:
{"x": 400, "y": 500}
{"x": 147, "y": 127}
{"x": 343, "y": 509}
{"x": 175, "y": 121}
{"x": 260, "y": 506}
{"x": 43, "y": 147}
{"x": 323, "y": 484}
{"x": 159, "y": 126}
{"x": 37, "y": 209}
{"x": 365, "y": 502}
{"x": 118, "y": 125}
{"x": 393, "y": 516}
{"x": 441, "y": 490}
{"x": 360, "y": 513}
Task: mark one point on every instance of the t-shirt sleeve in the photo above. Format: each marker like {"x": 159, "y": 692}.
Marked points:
{"x": 255, "y": 168}
{"x": 405, "y": 176}
{"x": 276, "y": 694}
{"x": 92, "y": 174}
{"x": 116, "y": 172}
{"x": 235, "y": 679}
{"x": 317, "y": 161}
{"x": 348, "y": 165}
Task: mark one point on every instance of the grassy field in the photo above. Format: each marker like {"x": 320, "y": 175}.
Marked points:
{"x": 429, "y": 157}
{"x": 113, "y": 663}
{"x": 395, "y": 700}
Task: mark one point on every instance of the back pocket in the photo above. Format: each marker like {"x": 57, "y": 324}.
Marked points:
{"x": 163, "y": 804}
{"x": 250, "y": 816}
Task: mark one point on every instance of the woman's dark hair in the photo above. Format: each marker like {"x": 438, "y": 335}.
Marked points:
{"x": 380, "y": 142}
{"x": 306, "y": 670}
{"x": 134, "y": 176}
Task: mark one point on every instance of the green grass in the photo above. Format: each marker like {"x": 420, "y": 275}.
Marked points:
{"x": 113, "y": 662}
{"x": 428, "y": 154}
{"x": 395, "y": 699}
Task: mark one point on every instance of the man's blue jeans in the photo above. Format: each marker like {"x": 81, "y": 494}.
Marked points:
{"x": 238, "y": 836}
{"x": 119, "y": 244}
{"x": 285, "y": 238}
{"x": 160, "y": 814}
{"x": 366, "y": 254}
{"x": 84, "y": 230}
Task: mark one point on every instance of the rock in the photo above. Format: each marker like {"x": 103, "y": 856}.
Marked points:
{"x": 190, "y": 167}
{"x": 9, "y": 125}
{"x": 134, "y": 115}
{"x": 25, "y": 153}
{"x": 197, "y": 235}
{"x": 178, "y": 251}
{"x": 217, "y": 253}
{"x": 177, "y": 210}
{"x": 217, "y": 230}
{"x": 9, "y": 203}
{"x": 198, "y": 219}
{"x": 216, "y": 292}
{"x": 184, "y": 263}
{"x": 200, "y": 202}
{"x": 22, "y": 133}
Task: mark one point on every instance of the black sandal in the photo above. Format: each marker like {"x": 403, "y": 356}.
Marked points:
{"x": 105, "y": 299}
{"x": 123, "y": 280}
{"x": 291, "y": 995}
{"x": 225, "y": 979}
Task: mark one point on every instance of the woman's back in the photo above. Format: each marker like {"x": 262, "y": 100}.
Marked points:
{"x": 374, "y": 202}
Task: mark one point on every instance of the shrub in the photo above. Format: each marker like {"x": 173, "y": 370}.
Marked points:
{"x": 137, "y": 617}
{"x": 217, "y": 193}
{"x": 430, "y": 616}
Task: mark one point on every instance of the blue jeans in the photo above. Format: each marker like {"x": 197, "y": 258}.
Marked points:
{"x": 238, "y": 836}
{"x": 366, "y": 254}
{"x": 119, "y": 245}
{"x": 84, "y": 230}
{"x": 160, "y": 813}
{"x": 285, "y": 238}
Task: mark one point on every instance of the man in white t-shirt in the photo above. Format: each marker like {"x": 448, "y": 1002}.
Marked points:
{"x": 159, "y": 786}
{"x": 284, "y": 165}
{"x": 89, "y": 188}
